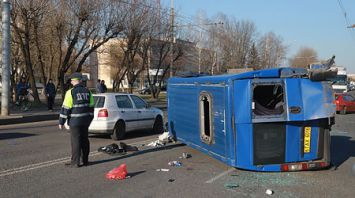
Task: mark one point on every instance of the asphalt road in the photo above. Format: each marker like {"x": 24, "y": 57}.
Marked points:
{"x": 33, "y": 156}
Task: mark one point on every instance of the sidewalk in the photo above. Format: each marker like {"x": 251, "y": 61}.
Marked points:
{"x": 35, "y": 114}
{"x": 38, "y": 114}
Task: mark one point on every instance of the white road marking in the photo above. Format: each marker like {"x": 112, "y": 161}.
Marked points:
{"x": 55, "y": 161}
{"x": 338, "y": 132}
{"x": 213, "y": 179}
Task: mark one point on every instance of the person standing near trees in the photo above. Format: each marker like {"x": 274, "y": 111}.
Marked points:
{"x": 98, "y": 86}
{"x": 78, "y": 110}
{"x": 22, "y": 89}
{"x": 50, "y": 92}
{"x": 103, "y": 87}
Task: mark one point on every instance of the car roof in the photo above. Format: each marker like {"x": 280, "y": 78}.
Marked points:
{"x": 111, "y": 94}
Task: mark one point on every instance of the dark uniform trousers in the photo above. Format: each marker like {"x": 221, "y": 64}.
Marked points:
{"x": 80, "y": 144}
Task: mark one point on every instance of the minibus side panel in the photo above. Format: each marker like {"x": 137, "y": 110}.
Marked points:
{"x": 317, "y": 100}
{"x": 185, "y": 117}
{"x": 242, "y": 102}
{"x": 295, "y": 109}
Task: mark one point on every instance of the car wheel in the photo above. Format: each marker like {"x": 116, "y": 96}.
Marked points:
{"x": 119, "y": 131}
{"x": 343, "y": 111}
{"x": 158, "y": 125}
{"x": 337, "y": 112}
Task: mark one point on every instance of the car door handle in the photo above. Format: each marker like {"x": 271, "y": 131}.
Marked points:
{"x": 123, "y": 111}
{"x": 139, "y": 111}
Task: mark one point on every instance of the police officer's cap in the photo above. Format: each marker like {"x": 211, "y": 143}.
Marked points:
{"x": 76, "y": 76}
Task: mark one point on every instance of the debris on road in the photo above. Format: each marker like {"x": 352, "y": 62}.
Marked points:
{"x": 163, "y": 170}
{"x": 119, "y": 173}
{"x": 156, "y": 143}
{"x": 231, "y": 185}
{"x": 162, "y": 140}
{"x": 171, "y": 180}
{"x": 121, "y": 148}
{"x": 186, "y": 155}
{"x": 269, "y": 192}
{"x": 175, "y": 163}
{"x": 166, "y": 137}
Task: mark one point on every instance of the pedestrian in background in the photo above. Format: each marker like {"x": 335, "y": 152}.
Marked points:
{"x": 50, "y": 92}
{"x": 103, "y": 87}
{"x": 22, "y": 89}
{"x": 98, "y": 86}
{"x": 78, "y": 111}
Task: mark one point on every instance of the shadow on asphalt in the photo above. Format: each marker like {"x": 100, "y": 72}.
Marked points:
{"x": 129, "y": 135}
{"x": 149, "y": 150}
{"x": 132, "y": 174}
{"x": 30, "y": 127}
{"x": 4, "y": 136}
{"x": 342, "y": 148}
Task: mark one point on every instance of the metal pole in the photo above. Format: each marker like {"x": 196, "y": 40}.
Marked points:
{"x": 172, "y": 37}
{"x": 6, "y": 52}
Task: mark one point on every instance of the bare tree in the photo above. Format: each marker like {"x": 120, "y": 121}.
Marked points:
{"x": 81, "y": 28}
{"x": 235, "y": 40}
{"x": 304, "y": 57}
{"x": 272, "y": 50}
{"x": 133, "y": 33}
{"x": 253, "y": 58}
{"x": 25, "y": 15}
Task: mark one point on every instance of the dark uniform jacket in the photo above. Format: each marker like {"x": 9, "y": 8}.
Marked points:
{"x": 50, "y": 89}
{"x": 78, "y": 107}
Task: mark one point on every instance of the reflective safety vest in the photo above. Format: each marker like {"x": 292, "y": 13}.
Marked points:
{"x": 78, "y": 107}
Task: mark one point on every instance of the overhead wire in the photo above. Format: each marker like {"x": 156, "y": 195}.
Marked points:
{"x": 349, "y": 25}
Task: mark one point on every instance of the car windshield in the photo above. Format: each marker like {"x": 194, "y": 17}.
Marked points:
{"x": 99, "y": 101}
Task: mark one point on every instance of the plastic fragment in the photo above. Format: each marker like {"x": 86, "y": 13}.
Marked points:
{"x": 163, "y": 170}
{"x": 231, "y": 185}
{"x": 119, "y": 172}
{"x": 175, "y": 163}
{"x": 269, "y": 192}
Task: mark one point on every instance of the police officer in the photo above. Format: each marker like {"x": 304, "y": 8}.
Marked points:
{"x": 78, "y": 110}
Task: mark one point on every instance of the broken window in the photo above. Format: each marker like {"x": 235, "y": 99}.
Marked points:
{"x": 206, "y": 127}
{"x": 268, "y": 99}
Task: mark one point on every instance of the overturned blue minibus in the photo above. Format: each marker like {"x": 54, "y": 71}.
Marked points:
{"x": 265, "y": 120}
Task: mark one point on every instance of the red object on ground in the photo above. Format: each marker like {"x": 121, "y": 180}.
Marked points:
{"x": 118, "y": 173}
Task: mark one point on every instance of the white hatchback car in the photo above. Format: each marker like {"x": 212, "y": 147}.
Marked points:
{"x": 118, "y": 113}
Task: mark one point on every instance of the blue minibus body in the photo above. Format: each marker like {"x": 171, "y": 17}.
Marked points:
{"x": 265, "y": 120}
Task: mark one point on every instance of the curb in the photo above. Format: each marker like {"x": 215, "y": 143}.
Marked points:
{"x": 27, "y": 118}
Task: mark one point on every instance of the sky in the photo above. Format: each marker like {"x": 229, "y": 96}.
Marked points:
{"x": 318, "y": 24}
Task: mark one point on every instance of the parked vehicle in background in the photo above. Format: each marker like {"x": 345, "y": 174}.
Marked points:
{"x": 147, "y": 90}
{"x": 340, "y": 82}
{"x": 344, "y": 103}
{"x": 118, "y": 113}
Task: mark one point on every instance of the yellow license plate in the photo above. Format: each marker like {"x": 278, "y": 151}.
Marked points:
{"x": 307, "y": 140}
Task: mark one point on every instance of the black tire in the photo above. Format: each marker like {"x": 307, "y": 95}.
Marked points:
{"x": 337, "y": 112}
{"x": 119, "y": 131}
{"x": 343, "y": 111}
{"x": 158, "y": 126}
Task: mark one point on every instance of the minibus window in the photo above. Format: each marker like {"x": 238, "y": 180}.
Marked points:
{"x": 205, "y": 108}
{"x": 268, "y": 99}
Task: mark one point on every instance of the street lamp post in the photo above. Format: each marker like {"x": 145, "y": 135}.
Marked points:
{"x": 6, "y": 51}
{"x": 171, "y": 37}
